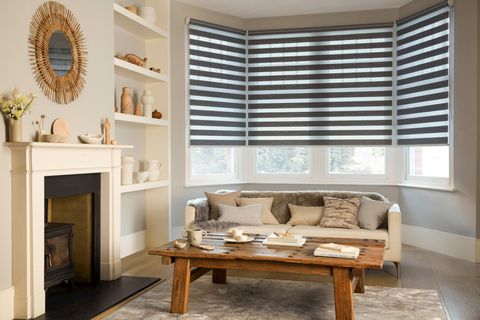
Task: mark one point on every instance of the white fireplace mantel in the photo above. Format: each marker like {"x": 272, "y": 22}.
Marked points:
{"x": 31, "y": 163}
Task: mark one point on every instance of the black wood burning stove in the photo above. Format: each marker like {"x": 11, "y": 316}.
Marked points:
{"x": 58, "y": 254}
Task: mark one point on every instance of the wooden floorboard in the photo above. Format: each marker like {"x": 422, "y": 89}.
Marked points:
{"x": 457, "y": 281}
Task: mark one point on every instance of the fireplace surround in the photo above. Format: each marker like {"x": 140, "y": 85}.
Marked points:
{"x": 30, "y": 164}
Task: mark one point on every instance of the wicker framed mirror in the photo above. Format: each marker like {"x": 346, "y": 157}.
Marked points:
{"x": 57, "y": 52}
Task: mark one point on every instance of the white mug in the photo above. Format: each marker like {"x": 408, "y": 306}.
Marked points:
{"x": 152, "y": 165}
{"x": 237, "y": 232}
{"x": 194, "y": 237}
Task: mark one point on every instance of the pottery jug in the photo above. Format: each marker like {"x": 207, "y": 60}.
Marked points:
{"x": 126, "y": 101}
{"x": 147, "y": 100}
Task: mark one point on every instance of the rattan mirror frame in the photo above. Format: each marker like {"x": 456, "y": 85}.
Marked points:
{"x": 50, "y": 17}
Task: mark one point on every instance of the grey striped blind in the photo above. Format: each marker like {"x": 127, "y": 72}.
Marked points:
{"x": 217, "y": 84}
{"x": 328, "y": 86}
{"x": 422, "y": 77}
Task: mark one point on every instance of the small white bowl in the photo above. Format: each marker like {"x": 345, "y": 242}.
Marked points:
{"x": 141, "y": 176}
{"x": 180, "y": 244}
{"x": 153, "y": 175}
{"x": 91, "y": 138}
{"x": 52, "y": 138}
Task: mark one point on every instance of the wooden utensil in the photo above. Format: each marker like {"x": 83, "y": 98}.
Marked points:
{"x": 61, "y": 127}
{"x": 106, "y": 129}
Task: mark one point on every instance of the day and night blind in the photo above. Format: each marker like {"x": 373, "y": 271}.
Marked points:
{"x": 422, "y": 77}
{"x": 217, "y": 84}
{"x": 328, "y": 86}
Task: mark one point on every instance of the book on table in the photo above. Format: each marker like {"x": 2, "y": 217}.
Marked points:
{"x": 289, "y": 240}
{"x": 333, "y": 250}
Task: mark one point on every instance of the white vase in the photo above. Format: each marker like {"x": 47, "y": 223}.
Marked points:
{"x": 147, "y": 101}
{"x": 15, "y": 130}
{"x": 127, "y": 170}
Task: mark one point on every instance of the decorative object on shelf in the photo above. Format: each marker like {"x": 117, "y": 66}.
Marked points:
{"x": 39, "y": 127}
{"x": 156, "y": 114}
{"x": 141, "y": 176}
{"x": 155, "y": 69}
{"x": 114, "y": 142}
{"x": 106, "y": 131}
{"x": 148, "y": 13}
{"x": 57, "y": 52}
{"x": 132, "y": 9}
{"x": 52, "y": 138}
{"x": 91, "y": 138}
{"x": 61, "y": 127}
{"x": 126, "y": 101}
{"x": 138, "y": 109}
{"x": 133, "y": 58}
{"x": 127, "y": 170}
{"x": 13, "y": 108}
{"x": 119, "y": 56}
{"x": 153, "y": 168}
{"x": 115, "y": 108}
{"x": 147, "y": 100}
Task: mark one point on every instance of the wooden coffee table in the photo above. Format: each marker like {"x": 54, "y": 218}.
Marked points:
{"x": 348, "y": 275}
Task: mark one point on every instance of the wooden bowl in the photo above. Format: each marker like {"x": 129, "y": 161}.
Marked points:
{"x": 52, "y": 138}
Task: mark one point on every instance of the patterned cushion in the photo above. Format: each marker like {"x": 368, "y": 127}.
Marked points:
{"x": 340, "y": 213}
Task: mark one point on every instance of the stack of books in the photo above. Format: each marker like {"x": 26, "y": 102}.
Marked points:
{"x": 286, "y": 240}
{"x": 334, "y": 250}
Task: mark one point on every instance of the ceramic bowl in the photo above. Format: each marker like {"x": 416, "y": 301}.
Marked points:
{"x": 91, "y": 138}
{"x": 52, "y": 138}
{"x": 153, "y": 175}
{"x": 180, "y": 244}
{"x": 141, "y": 176}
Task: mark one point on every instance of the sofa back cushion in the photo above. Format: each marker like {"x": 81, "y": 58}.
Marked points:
{"x": 281, "y": 199}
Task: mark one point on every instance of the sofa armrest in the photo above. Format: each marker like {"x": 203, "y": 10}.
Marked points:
{"x": 189, "y": 216}
{"x": 395, "y": 232}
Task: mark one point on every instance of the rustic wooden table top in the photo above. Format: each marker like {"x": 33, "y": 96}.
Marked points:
{"x": 371, "y": 251}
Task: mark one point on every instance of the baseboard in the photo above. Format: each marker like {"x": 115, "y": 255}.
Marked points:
{"x": 176, "y": 232}
{"x": 466, "y": 248}
{"x": 132, "y": 243}
{"x": 6, "y": 307}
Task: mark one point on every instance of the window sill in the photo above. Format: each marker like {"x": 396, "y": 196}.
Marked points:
{"x": 194, "y": 184}
{"x": 427, "y": 187}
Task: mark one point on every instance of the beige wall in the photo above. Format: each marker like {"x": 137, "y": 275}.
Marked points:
{"x": 96, "y": 101}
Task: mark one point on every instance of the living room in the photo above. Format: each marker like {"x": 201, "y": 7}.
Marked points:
{"x": 221, "y": 124}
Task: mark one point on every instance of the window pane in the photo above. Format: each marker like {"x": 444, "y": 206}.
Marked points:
{"x": 429, "y": 161}
{"x": 283, "y": 160}
{"x": 212, "y": 160}
{"x": 356, "y": 160}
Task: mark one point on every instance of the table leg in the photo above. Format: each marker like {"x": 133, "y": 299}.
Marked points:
{"x": 360, "y": 275}
{"x": 342, "y": 287}
{"x": 219, "y": 275}
{"x": 180, "y": 286}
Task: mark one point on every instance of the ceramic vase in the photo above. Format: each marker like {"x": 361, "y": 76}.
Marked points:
{"x": 127, "y": 170}
{"x": 147, "y": 100}
{"x": 15, "y": 130}
{"x": 126, "y": 101}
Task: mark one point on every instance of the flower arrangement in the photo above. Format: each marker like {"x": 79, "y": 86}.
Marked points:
{"x": 16, "y": 106}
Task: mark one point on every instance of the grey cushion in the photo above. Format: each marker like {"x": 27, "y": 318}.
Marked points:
{"x": 247, "y": 215}
{"x": 371, "y": 213}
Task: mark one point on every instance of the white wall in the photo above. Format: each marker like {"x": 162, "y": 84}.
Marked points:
{"x": 84, "y": 114}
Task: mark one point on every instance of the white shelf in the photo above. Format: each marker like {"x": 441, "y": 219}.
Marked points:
{"x": 139, "y": 120}
{"x": 144, "y": 186}
{"x": 136, "y": 24}
{"x": 139, "y": 73}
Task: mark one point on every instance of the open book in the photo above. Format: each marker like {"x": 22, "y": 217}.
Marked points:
{"x": 334, "y": 250}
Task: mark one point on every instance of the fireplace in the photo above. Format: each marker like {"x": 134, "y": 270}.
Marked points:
{"x": 32, "y": 166}
{"x": 75, "y": 200}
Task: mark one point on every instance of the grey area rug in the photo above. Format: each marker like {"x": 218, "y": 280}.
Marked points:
{"x": 261, "y": 299}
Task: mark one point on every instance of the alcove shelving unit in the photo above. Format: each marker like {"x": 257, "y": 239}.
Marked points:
{"x": 144, "y": 205}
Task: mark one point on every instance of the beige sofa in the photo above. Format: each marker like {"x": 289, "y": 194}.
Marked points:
{"x": 196, "y": 214}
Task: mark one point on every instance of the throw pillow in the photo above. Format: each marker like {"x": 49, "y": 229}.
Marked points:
{"x": 372, "y": 213}
{"x": 307, "y": 216}
{"x": 225, "y": 198}
{"x": 340, "y": 213}
{"x": 247, "y": 216}
{"x": 267, "y": 215}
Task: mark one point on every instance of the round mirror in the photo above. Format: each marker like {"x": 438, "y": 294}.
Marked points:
{"x": 60, "y": 53}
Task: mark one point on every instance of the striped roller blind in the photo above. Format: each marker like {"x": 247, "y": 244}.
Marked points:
{"x": 422, "y": 77}
{"x": 217, "y": 84}
{"x": 322, "y": 86}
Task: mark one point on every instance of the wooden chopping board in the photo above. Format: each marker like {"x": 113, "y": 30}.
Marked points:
{"x": 61, "y": 127}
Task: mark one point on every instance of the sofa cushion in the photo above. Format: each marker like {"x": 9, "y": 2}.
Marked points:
{"x": 312, "y": 231}
{"x": 372, "y": 213}
{"x": 267, "y": 216}
{"x": 265, "y": 229}
{"x": 281, "y": 199}
{"x": 340, "y": 213}
{"x": 248, "y": 215}
{"x": 225, "y": 198}
{"x": 302, "y": 215}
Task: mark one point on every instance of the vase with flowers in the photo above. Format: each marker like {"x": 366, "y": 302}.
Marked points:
{"x": 14, "y": 107}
